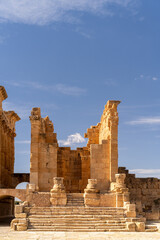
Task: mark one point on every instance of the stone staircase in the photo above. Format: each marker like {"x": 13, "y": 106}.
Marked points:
{"x": 75, "y": 199}
{"x": 78, "y": 219}
{"x": 151, "y": 228}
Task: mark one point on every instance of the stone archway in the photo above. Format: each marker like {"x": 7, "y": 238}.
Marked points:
{"x": 7, "y": 203}
{"x": 18, "y": 193}
{"x": 18, "y": 178}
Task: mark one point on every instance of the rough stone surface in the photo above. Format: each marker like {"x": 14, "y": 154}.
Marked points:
{"x": 73, "y": 183}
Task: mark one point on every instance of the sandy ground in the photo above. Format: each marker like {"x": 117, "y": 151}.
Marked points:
{"x": 6, "y": 233}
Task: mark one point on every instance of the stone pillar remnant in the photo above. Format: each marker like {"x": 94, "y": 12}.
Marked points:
{"x": 57, "y": 193}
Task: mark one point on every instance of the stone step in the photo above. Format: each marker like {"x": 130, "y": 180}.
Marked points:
{"x": 82, "y": 199}
{"x": 109, "y": 217}
{"x": 78, "y": 214}
{"x": 74, "y": 221}
{"x": 84, "y": 208}
{"x": 77, "y": 230}
{"x": 76, "y": 210}
{"x": 71, "y": 227}
{"x": 75, "y": 204}
{"x": 86, "y": 226}
{"x": 75, "y": 200}
{"x": 151, "y": 228}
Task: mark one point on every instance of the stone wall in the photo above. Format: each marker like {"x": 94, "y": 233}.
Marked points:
{"x": 103, "y": 145}
{"x": 73, "y": 166}
{"x": 49, "y": 161}
{"x": 43, "y": 161}
{"x": 7, "y": 135}
{"x": 99, "y": 159}
{"x": 145, "y": 192}
{"x": 109, "y": 131}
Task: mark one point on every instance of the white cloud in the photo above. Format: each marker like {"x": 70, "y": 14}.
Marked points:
{"x": 146, "y": 77}
{"x": 84, "y": 33}
{"x": 142, "y": 121}
{"x": 146, "y": 172}
{"x": 61, "y": 88}
{"x": 41, "y": 12}
{"x": 154, "y": 78}
{"x": 23, "y": 142}
{"x": 69, "y": 90}
{"x": 72, "y": 140}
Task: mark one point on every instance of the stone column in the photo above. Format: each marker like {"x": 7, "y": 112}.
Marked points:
{"x": 113, "y": 139}
{"x": 12, "y": 152}
{"x": 91, "y": 194}
{"x": 58, "y": 193}
{"x": 35, "y": 120}
{"x": 120, "y": 180}
{"x": 3, "y": 96}
{"x": 122, "y": 193}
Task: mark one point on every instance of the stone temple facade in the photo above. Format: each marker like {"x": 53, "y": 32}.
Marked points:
{"x": 73, "y": 190}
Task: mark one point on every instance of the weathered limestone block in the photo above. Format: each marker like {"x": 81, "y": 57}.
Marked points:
{"x": 119, "y": 187}
{"x": 39, "y": 199}
{"x": 58, "y": 186}
{"x": 19, "y": 209}
{"x": 91, "y": 194}
{"x": 20, "y": 215}
{"x": 119, "y": 200}
{"x": 57, "y": 193}
{"x": 58, "y": 199}
{"x": 14, "y": 223}
{"x": 91, "y": 186}
{"x": 108, "y": 200}
{"x": 120, "y": 180}
{"x": 140, "y": 227}
{"x": 131, "y": 226}
{"x": 92, "y": 199}
{"x": 112, "y": 186}
{"x": 19, "y": 224}
{"x": 130, "y": 210}
{"x": 31, "y": 188}
{"x": 22, "y": 226}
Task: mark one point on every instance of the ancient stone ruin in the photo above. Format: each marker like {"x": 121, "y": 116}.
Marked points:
{"x": 73, "y": 190}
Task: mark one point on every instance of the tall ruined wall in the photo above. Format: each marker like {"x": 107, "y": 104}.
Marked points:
{"x": 43, "y": 160}
{"x": 73, "y": 166}
{"x": 109, "y": 131}
{"x": 48, "y": 160}
{"x": 103, "y": 145}
{"x": 98, "y": 160}
{"x": 92, "y": 135}
{"x": 145, "y": 192}
{"x": 7, "y": 135}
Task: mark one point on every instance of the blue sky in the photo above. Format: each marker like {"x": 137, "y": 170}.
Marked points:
{"x": 70, "y": 57}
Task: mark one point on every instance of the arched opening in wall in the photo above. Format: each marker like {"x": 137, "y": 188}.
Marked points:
{"x": 8, "y": 202}
{"x": 6, "y": 210}
{"x": 22, "y": 185}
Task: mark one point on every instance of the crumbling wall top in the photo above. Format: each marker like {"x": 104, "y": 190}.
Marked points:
{"x": 3, "y": 93}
